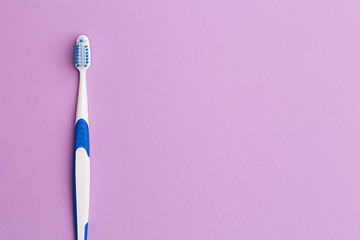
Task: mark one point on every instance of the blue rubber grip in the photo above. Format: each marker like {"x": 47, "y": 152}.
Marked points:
{"x": 82, "y": 135}
{"x": 81, "y": 140}
{"x": 86, "y": 230}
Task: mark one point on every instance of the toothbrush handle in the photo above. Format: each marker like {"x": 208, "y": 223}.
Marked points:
{"x": 81, "y": 178}
{"x": 81, "y": 164}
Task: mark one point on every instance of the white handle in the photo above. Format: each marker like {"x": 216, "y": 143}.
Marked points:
{"x": 82, "y": 181}
{"x": 81, "y": 163}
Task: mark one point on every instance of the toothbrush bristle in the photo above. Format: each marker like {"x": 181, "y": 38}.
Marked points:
{"x": 82, "y": 52}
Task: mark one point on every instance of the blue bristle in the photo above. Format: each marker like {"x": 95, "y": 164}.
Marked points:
{"x": 82, "y": 58}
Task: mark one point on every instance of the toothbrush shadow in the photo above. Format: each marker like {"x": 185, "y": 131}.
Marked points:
{"x": 70, "y": 62}
{"x": 72, "y": 179}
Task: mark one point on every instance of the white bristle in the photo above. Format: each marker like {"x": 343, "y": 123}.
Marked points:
{"x": 82, "y": 53}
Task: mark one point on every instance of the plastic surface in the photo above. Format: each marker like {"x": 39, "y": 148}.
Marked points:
{"x": 209, "y": 120}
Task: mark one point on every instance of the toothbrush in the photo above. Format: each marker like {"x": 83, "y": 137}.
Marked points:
{"x": 81, "y": 147}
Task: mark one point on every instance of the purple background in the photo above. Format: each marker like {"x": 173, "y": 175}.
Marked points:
{"x": 214, "y": 120}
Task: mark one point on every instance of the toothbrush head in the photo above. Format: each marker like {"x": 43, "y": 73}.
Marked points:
{"x": 82, "y": 53}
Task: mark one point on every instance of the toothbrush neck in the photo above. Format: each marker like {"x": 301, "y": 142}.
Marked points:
{"x": 82, "y": 107}
{"x": 82, "y": 75}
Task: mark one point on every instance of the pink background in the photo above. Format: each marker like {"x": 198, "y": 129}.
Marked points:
{"x": 209, "y": 119}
